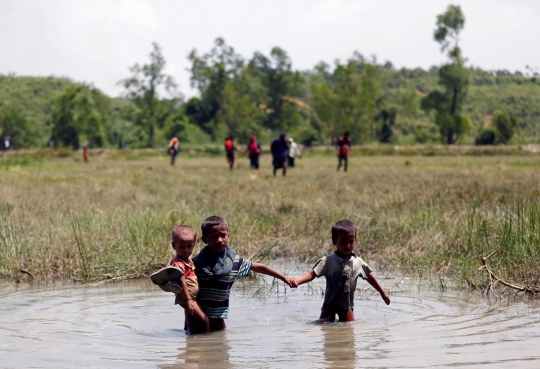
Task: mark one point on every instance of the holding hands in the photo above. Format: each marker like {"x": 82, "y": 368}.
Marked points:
{"x": 290, "y": 281}
{"x": 294, "y": 283}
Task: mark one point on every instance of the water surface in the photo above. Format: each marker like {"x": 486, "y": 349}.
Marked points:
{"x": 134, "y": 324}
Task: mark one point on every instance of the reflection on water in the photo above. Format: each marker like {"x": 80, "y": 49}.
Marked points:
{"x": 338, "y": 348}
{"x": 203, "y": 351}
{"x": 137, "y": 325}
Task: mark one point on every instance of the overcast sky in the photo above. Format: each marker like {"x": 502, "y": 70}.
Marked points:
{"x": 96, "y": 41}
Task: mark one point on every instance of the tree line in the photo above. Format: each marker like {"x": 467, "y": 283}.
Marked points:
{"x": 264, "y": 94}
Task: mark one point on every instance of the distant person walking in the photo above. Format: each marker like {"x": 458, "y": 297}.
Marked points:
{"x": 343, "y": 150}
{"x": 280, "y": 153}
{"x": 254, "y": 151}
{"x": 230, "y": 148}
{"x": 85, "y": 147}
{"x": 294, "y": 151}
{"x": 7, "y": 143}
{"x": 173, "y": 149}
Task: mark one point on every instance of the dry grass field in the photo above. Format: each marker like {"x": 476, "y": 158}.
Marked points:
{"x": 428, "y": 216}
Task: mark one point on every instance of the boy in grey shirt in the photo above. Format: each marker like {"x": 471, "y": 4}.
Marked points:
{"x": 341, "y": 270}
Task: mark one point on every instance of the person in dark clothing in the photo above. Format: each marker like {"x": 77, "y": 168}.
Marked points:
{"x": 280, "y": 153}
{"x": 254, "y": 151}
{"x": 343, "y": 150}
{"x": 341, "y": 269}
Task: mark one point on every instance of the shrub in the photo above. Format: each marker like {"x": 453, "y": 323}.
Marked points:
{"x": 487, "y": 136}
{"x": 506, "y": 125}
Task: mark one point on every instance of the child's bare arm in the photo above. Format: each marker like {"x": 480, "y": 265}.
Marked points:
{"x": 264, "y": 269}
{"x": 190, "y": 303}
{"x": 373, "y": 281}
{"x": 308, "y": 277}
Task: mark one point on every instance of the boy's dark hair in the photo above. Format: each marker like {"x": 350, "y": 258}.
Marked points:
{"x": 183, "y": 229}
{"x": 343, "y": 226}
{"x": 211, "y": 222}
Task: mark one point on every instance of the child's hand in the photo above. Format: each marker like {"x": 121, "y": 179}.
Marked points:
{"x": 191, "y": 307}
{"x": 386, "y": 298}
{"x": 294, "y": 283}
{"x": 290, "y": 281}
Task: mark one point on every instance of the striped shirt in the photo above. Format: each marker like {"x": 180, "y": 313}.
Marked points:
{"x": 214, "y": 293}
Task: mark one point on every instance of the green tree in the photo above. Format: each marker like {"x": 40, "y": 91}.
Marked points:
{"x": 356, "y": 89}
{"x": 78, "y": 115}
{"x": 454, "y": 77}
{"x": 143, "y": 90}
{"x": 180, "y": 126}
{"x": 449, "y": 25}
{"x": 387, "y": 117}
{"x": 506, "y": 124}
{"x": 13, "y": 123}
{"x": 281, "y": 83}
{"x": 121, "y": 127}
{"x": 324, "y": 102}
{"x": 452, "y": 126}
{"x": 211, "y": 74}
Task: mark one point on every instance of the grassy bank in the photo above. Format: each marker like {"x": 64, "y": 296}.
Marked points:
{"x": 436, "y": 216}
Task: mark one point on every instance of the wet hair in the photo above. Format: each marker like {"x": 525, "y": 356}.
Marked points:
{"x": 182, "y": 229}
{"x": 212, "y": 222}
{"x": 343, "y": 226}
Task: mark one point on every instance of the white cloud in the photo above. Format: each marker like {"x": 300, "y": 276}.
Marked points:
{"x": 330, "y": 11}
{"x": 97, "y": 40}
{"x": 133, "y": 12}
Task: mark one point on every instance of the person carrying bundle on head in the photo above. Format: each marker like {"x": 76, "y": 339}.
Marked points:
{"x": 173, "y": 149}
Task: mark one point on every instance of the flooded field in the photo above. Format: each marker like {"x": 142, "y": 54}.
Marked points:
{"x": 134, "y": 324}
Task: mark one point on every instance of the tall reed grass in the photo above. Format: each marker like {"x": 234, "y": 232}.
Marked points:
{"x": 429, "y": 216}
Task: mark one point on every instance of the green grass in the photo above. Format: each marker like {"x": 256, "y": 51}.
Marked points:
{"x": 424, "y": 215}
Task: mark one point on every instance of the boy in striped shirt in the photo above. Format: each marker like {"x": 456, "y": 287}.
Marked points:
{"x": 217, "y": 266}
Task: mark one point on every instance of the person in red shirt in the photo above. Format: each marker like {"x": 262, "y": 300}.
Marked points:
{"x": 230, "y": 148}
{"x": 343, "y": 150}
{"x": 254, "y": 150}
{"x": 183, "y": 242}
{"x": 85, "y": 147}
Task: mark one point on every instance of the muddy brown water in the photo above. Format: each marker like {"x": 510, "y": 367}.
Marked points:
{"x": 134, "y": 324}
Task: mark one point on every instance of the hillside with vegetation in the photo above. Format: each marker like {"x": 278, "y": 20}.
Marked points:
{"x": 399, "y": 91}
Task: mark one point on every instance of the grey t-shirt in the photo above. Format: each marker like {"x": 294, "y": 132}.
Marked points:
{"x": 340, "y": 279}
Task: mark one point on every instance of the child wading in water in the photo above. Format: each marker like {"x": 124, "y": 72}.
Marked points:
{"x": 183, "y": 242}
{"x": 341, "y": 269}
{"x": 217, "y": 266}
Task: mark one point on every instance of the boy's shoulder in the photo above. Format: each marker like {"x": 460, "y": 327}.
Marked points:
{"x": 334, "y": 258}
{"x": 200, "y": 258}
